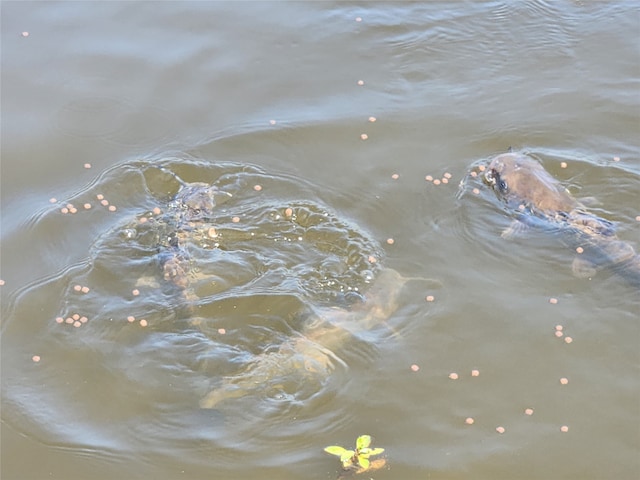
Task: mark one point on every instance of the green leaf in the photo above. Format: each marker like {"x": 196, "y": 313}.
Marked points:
{"x": 363, "y": 441}
{"x": 335, "y": 450}
{"x": 346, "y": 456}
{"x": 364, "y": 462}
{"x": 375, "y": 451}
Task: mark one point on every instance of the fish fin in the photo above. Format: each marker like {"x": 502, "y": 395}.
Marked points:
{"x": 514, "y": 230}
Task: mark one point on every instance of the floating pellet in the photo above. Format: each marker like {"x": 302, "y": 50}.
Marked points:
{"x": 59, "y": 320}
{"x": 395, "y": 176}
{"x": 475, "y": 373}
{"x": 87, "y": 165}
{"x": 77, "y": 323}
{"x": 104, "y": 202}
{"x": 564, "y": 429}
{"x": 429, "y": 178}
{"x": 372, "y": 119}
{"x": 257, "y": 188}
{"x": 143, "y": 323}
{"x": 135, "y": 292}
{"x": 430, "y": 298}
{"x": 528, "y": 411}
{"x": 476, "y": 191}
{"x": 77, "y": 288}
{"x": 235, "y": 219}
{"x": 469, "y": 421}
{"x": 436, "y": 182}
{"x": 87, "y": 206}
{"x": 112, "y": 208}
{"x": 553, "y": 301}
{"x": 364, "y": 136}
{"x": 53, "y": 200}
{"x": 390, "y": 241}
{"x": 36, "y": 358}
{"x": 372, "y": 259}
{"x": 157, "y": 211}
{"x": 222, "y": 331}
{"x": 415, "y": 368}
{"x": 85, "y": 289}
{"x": 500, "y": 429}
{"x": 568, "y": 339}
{"x": 447, "y": 175}
{"x": 580, "y": 250}
{"x": 564, "y": 381}
{"x": 288, "y": 212}
{"x": 75, "y": 316}
{"x": 212, "y": 232}
{"x": 453, "y": 376}
{"x": 131, "y": 319}
{"x": 563, "y": 164}
{"x": 360, "y": 82}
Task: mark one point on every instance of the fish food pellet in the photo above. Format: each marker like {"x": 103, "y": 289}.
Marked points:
{"x": 364, "y": 136}
{"x": 131, "y": 319}
{"x": 429, "y": 298}
{"x": 564, "y": 429}
{"x": 257, "y": 188}
{"x": 528, "y": 411}
{"x": 500, "y": 429}
{"x": 564, "y": 381}
{"x": 553, "y": 301}
{"x": 143, "y": 323}
{"x": 429, "y": 178}
{"x": 568, "y": 339}
{"x": 390, "y": 241}
{"x": 475, "y": 373}
{"x": 36, "y": 358}
{"x": 415, "y": 368}
{"x": 135, "y": 292}
{"x": 469, "y": 421}
{"x": 288, "y": 212}
{"x": 453, "y": 376}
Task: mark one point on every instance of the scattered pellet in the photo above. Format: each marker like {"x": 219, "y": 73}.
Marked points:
{"x": 143, "y": 220}
{"x": 75, "y": 316}
{"x": 553, "y": 301}
{"x": 415, "y": 368}
{"x": 131, "y": 319}
{"x": 222, "y": 331}
{"x": 521, "y": 207}
{"x": 73, "y": 210}
{"x": 563, "y": 164}
{"x": 25, "y": 34}
{"x": 564, "y": 428}
{"x": 358, "y": 19}
{"x": 64, "y": 210}
{"x": 360, "y": 82}
{"x": 77, "y": 323}
{"x": 235, "y": 219}
{"x": 53, "y": 200}
{"x": 453, "y": 376}
{"x": 87, "y": 165}
{"x": 482, "y": 168}
{"x": 212, "y": 232}
{"x": 474, "y": 174}
{"x": 616, "y": 159}
{"x": 500, "y": 429}
{"x": 372, "y": 259}
{"x": 288, "y": 212}
{"x": 475, "y": 373}
{"x": 390, "y": 241}
{"x": 568, "y": 339}
{"x": 272, "y": 122}
{"x": 476, "y": 191}
{"x": 395, "y": 176}
{"x": 444, "y": 180}
{"x": 469, "y": 421}
{"x": 85, "y": 289}
{"x": 528, "y": 411}
{"x": 104, "y": 202}
{"x": 447, "y": 175}
{"x": 99, "y": 196}
{"x": 436, "y": 182}
{"x": 257, "y": 188}
{"x": 429, "y": 298}
{"x": 559, "y": 327}
{"x": 36, "y": 358}
{"x": 638, "y": 218}
{"x": 372, "y": 119}
{"x": 84, "y": 319}
{"x": 112, "y": 208}
{"x": 1, "y": 282}
{"x": 69, "y": 320}
{"x": 59, "y": 320}
{"x": 87, "y": 206}
{"x": 564, "y": 381}
{"x": 157, "y": 211}
{"x": 135, "y": 292}
{"x": 580, "y": 250}
{"x": 364, "y": 136}
{"x": 559, "y": 333}
{"x": 429, "y": 178}
{"x": 77, "y": 288}
{"x": 143, "y": 323}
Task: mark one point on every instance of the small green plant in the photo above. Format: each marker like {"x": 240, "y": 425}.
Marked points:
{"x": 358, "y": 459}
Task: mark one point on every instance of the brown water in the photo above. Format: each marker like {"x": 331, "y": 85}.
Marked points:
{"x": 255, "y": 93}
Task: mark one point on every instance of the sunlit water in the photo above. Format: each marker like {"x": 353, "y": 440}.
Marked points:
{"x": 153, "y": 95}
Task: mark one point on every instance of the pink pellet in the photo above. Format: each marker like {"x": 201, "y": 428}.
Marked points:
{"x": 25, "y": 34}
{"x": 131, "y": 319}
{"x": 59, "y": 320}
{"x": 87, "y": 165}
{"x": 85, "y": 289}
{"x": 429, "y": 178}
{"x": 87, "y": 206}
{"x": 36, "y": 358}
{"x": 143, "y": 220}
{"x": 104, "y": 202}
{"x": 453, "y": 376}
{"x": 430, "y": 298}
{"x": 559, "y": 327}
{"x": 84, "y": 319}
{"x": 372, "y": 259}
{"x": 395, "y": 176}
{"x": 257, "y": 188}
{"x": 235, "y": 219}
{"x": 476, "y": 191}
{"x": 157, "y": 211}
{"x": 568, "y": 339}
{"x": 415, "y": 368}
{"x": 444, "y": 180}
{"x": 360, "y": 82}
{"x": 135, "y": 292}
{"x": 616, "y": 159}
{"x": 358, "y": 19}
{"x": 222, "y": 331}
{"x": 100, "y": 196}
{"x": 1, "y": 282}
{"x": 112, "y": 208}
{"x": 474, "y": 174}
{"x": 73, "y": 210}
{"x": 528, "y": 411}
{"x": 475, "y": 373}
{"x": 436, "y": 182}
{"x": 563, "y": 164}
{"x": 390, "y": 241}
{"x": 75, "y": 316}
{"x": 564, "y": 381}
{"x": 579, "y": 249}
{"x": 364, "y": 136}
{"x": 64, "y": 210}
{"x": 372, "y": 119}
{"x": 447, "y": 175}
{"x": 500, "y": 429}
{"x": 69, "y": 320}
{"x": 482, "y": 168}
{"x": 143, "y": 323}
{"x": 272, "y": 122}
{"x": 288, "y": 212}
{"x": 77, "y": 288}
{"x": 212, "y": 232}
{"x": 77, "y": 323}
{"x": 559, "y": 333}
{"x": 469, "y": 421}
{"x": 553, "y": 301}
{"x": 53, "y": 200}
{"x": 564, "y": 429}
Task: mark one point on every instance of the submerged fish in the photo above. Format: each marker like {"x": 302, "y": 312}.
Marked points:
{"x": 309, "y": 356}
{"x": 535, "y": 196}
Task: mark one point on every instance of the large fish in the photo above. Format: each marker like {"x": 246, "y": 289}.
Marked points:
{"x": 309, "y": 356}
{"x": 534, "y": 196}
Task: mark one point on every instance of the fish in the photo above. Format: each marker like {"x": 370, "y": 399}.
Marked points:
{"x": 536, "y": 197}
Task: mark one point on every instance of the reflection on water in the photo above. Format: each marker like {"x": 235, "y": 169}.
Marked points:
{"x": 160, "y": 98}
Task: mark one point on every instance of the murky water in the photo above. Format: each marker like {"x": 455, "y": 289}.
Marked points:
{"x": 284, "y": 311}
